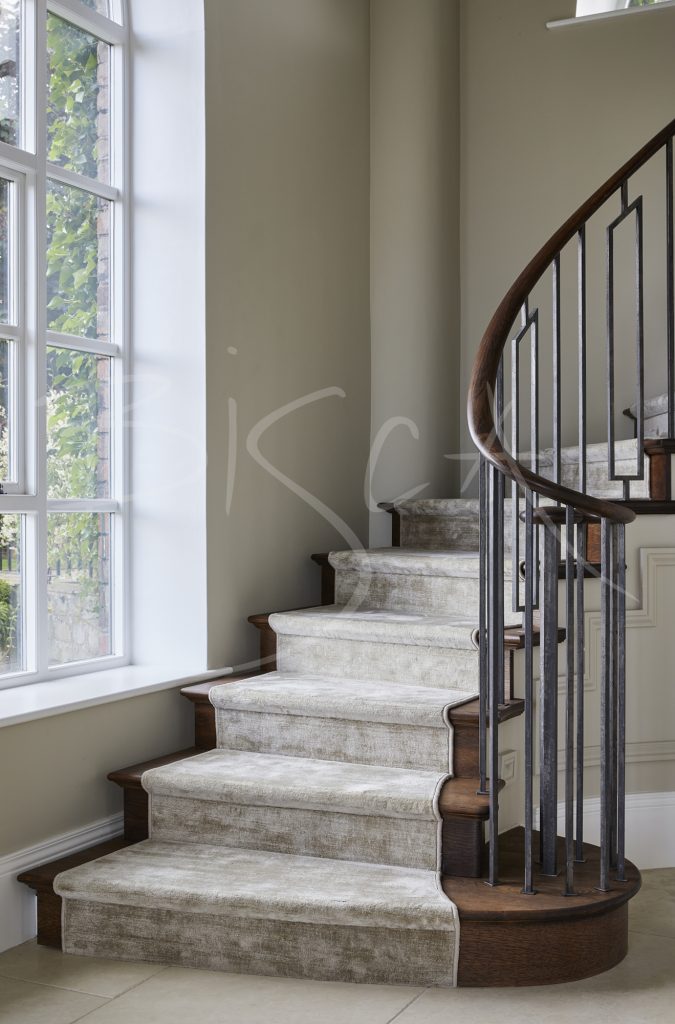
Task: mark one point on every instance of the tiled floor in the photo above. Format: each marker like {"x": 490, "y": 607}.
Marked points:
{"x": 41, "y": 986}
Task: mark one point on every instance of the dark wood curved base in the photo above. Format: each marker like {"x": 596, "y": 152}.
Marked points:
{"x": 507, "y": 938}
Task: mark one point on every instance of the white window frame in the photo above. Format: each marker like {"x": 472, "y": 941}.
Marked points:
{"x": 29, "y": 168}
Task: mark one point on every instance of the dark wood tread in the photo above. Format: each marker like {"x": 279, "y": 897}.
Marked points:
{"x": 469, "y": 714}
{"x": 41, "y": 878}
{"x": 198, "y": 693}
{"x": 510, "y": 939}
{"x": 131, "y": 777}
{"x": 478, "y": 901}
{"x": 460, "y": 798}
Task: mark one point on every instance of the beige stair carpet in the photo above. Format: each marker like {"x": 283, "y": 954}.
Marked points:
{"x": 308, "y": 842}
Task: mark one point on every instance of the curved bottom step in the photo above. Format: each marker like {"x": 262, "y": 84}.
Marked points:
{"x": 510, "y": 939}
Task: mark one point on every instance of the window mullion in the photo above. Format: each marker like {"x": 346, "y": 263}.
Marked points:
{"x": 40, "y": 564}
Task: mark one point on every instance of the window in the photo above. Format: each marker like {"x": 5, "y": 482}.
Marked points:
{"x": 62, "y": 337}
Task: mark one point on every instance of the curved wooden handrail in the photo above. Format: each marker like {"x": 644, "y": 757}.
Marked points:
{"x": 486, "y": 366}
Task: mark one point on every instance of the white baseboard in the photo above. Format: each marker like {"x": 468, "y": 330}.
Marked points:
{"x": 650, "y": 827}
{"x": 17, "y": 901}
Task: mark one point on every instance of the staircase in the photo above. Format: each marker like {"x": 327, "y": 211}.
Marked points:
{"x": 330, "y": 821}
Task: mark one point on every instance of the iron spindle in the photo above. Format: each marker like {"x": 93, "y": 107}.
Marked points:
{"x": 612, "y": 697}
{"x": 580, "y": 638}
{"x": 640, "y": 337}
{"x": 582, "y": 358}
{"x": 605, "y": 705}
{"x": 610, "y": 349}
{"x": 556, "y": 371}
{"x": 621, "y": 703}
{"x": 515, "y": 452}
{"x": 495, "y": 658}
{"x": 548, "y": 713}
{"x": 569, "y": 700}
{"x": 528, "y": 887}
{"x": 482, "y": 632}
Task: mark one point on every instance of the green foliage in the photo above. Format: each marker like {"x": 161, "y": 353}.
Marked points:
{"x": 8, "y": 618}
{"x": 76, "y": 226}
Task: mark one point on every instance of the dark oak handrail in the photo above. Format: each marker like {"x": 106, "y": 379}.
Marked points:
{"x": 486, "y": 366}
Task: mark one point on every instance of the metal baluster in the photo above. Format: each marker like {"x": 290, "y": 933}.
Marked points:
{"x": 640, "y": 339}
{"x": 528, "y": 887}
{"x": 549, "y": 698}
{"x": 556, "y": 371}
{"x": 482, "y": 634}
{"x": 495, "y": 657}
{"x": 515, "y": 452}
{"x": 612, "y": 698}
{"x": 581, "y": 638}
{"x": 569, "y": 700}
{"x": 534, "y": 395}
{"x": 609, "y": 270}
{"x": 621, "y": 703}
{"x": 670, "y": 288}
{"x": 605, "y": 705}
{"x": 582, "y": 359}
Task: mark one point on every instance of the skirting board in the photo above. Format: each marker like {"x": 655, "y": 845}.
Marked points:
{"x": 17, "y": 901}
{"x": 650, "y": 827}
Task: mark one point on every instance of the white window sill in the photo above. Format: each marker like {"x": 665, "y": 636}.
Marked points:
{"x": 71, "y": 693}
{"x": 564, "y": 22}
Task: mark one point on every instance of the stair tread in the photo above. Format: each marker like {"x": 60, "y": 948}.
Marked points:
{"x": 249, "y": 883}
{"x": 287, "y": 693}
{"x": 42, "y": 876}
{"x": 411, "y": 561}
{"x": 277, "y": 780}
{"x": 131, "y": 775}
{"x": 377, "y": 625}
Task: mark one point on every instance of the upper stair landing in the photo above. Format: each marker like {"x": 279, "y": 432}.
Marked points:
{"x": 655, "y": 416}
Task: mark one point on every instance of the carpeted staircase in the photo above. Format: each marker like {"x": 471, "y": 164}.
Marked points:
{"x": 308, "y": 842}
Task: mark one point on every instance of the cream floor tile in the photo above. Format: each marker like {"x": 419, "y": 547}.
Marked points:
{"x": 108, "y": 978}
{"x": 641, "y": 990}
{"x": 659, "y": 878}
{"x": 653, "y": 911}
{"x": 180, "y": 996}
{"x": 24, "y": 1003}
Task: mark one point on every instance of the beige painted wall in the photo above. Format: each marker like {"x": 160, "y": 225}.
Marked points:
{"x": 414, "y": 247}
{"x": 54, "y": 770}
{"x": 287, "y": 249}
{"x": 547, "y": 116}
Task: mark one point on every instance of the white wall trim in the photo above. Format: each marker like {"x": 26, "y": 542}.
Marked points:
{"x": 17, "y": 901}
{"x": 650, "y": 827}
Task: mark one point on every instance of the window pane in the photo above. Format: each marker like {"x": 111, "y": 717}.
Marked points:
{"x": 6, "y": 254}
{"x": 10, "y": 52}
{"x": 7, "y": 457}
{"x": 78, "y": 104}
{"x": 78, "y": 262}
{"x": 11, "y": 595}
{"x": 78, "y": 586}
{"x": 78, "y": 424}
{"x": 102, "y": 6}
